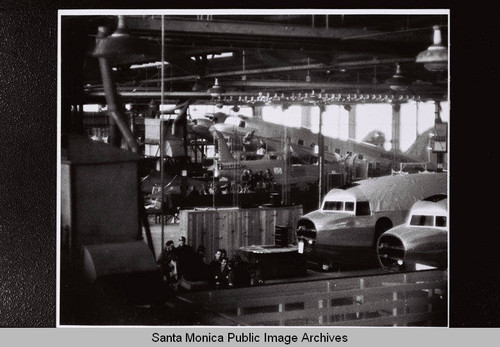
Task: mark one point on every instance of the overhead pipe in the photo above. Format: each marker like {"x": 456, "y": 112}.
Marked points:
{"x": 241, "y": 72}
{"x": 116, "y": 114}
{"x": 112, "y": 99}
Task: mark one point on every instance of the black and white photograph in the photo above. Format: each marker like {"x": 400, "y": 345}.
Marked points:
{"x": 253, "y": 168}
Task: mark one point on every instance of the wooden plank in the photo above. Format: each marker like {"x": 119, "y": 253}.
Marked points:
{"x": 313, "y": 300}
{"x": 269, "y": 294}
{"x": 306, "y": 299}
{"x": 231, "y": 228}
{"x": 315, "y": 313}
{"x": 426, "y": 276}
{"x": 333, "y": 285}
{"x": 394, "y": 320}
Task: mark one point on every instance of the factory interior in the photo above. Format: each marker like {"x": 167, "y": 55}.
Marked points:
{"x": 272, "y": 169}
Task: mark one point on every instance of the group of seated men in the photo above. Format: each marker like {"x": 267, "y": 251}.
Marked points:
{"x": 183, "y": 262}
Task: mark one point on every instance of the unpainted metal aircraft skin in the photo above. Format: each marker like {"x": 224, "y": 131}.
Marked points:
{"x": 421, "y": 242}
{"x": 346, "y": 228}
{"x": 299, "y": 175}
{"x": 250, "y": 131}
{"x": 202, "y": 126}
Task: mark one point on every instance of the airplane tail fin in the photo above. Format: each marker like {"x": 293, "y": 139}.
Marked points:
{"x": 224, "y": 152}
{"x": 419, "y": 149}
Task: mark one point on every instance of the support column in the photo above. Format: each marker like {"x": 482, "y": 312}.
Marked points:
{"x": 321, "y": 156}
{"x": 352, "y": 121}
{"x": 305, "y": 120}
{"x": 396, "y": 127}
{"x": 437, "y": 120}
{"x": 257, "y": 111}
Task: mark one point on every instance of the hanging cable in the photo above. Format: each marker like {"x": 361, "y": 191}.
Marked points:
{"x": 162, "y": 173}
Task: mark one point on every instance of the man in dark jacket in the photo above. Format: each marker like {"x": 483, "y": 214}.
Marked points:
{"x": 185, "y": 256}
{"x": 168, "y": 263}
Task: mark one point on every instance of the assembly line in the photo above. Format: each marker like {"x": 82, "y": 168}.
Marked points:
{"x": 195, "y": 193}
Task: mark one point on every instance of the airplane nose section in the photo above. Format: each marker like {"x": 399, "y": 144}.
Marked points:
{"x": 219, "y": 127}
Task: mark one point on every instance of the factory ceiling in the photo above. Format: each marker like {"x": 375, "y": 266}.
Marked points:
{"x": 259, "y": 56}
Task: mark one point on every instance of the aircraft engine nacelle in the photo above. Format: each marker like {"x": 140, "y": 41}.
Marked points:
{"x": 399, "y": 249}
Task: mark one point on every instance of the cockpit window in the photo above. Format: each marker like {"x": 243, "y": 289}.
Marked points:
{"x": 349, "y": 206}
{"x": 422, "y": 220}
{"x": 436, "y": 198}
{"x": 348, "y": 185}
{"x": 334, "y": 205}
{"x": 363, "y": 208}
{"x": 440, "y": 221}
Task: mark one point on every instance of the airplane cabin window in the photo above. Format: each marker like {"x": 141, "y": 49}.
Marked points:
{"x": 440, "y": 221}
{"x": 349, "y": 206}
{"x": 422, "y": 220}
{"x": 300, "y": 142}
{"x": 363, "y": 208}
{"x": 242, "y": 124}
{"x": 334, "y": 205}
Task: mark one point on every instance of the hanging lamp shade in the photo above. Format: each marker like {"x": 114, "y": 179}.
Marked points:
{"x": 435, "y": 58}
{"x": 398, "y": 81}
{"x": 197, "y": 86}
{"x": 121, "y": 48}
{"x": 216, "y": 89}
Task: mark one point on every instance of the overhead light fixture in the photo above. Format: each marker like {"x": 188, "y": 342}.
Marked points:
{"x": 398, "y": 81}
{"x": 216, "y": 89}
{"x": 435, "y": 58}
{"x": 243, "y": 77}
{"x": 196, "y": 86}
{"x": 120, "y": 47}
{"x": 308, "y": 77}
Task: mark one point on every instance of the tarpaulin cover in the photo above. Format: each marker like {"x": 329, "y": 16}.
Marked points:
{"x": 398, "y": 192}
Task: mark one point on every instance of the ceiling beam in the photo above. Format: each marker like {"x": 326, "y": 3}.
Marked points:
{"x": 220, "y": 27}
{"x": 185, "y": 33}
{"x": 329, "y": 86}
{"x": 240, "y": 73}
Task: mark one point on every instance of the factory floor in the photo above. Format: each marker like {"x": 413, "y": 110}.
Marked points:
{"x": 100, "y": 305}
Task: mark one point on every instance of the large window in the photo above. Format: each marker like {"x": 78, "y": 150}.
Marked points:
{"x": 334, "y": 205}
{"x": 422, "y": 220}
{"x": 440, "y": 221}
{"x": 349, "y": 206}
{"x": 363, "y": 208}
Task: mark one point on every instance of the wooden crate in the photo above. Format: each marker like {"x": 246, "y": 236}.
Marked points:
{"x": 232, "y": 228}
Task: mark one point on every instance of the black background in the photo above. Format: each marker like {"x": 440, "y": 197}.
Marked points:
{"x": 28, "y": 140}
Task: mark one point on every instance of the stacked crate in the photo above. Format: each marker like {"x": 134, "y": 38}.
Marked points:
{"x": 232, "y": 228}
